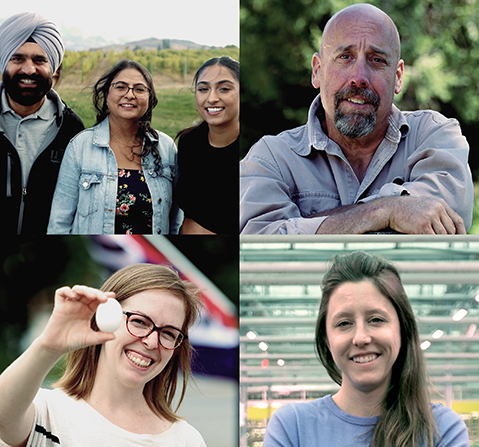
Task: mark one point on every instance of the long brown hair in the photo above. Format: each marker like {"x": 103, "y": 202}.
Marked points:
{"x": 81, "y": 365}
{"x": 407, "y": 418}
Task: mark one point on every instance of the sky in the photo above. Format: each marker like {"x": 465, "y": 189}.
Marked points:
{"x": 206, "y": 22}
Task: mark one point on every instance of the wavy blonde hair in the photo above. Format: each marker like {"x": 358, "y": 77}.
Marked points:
{"x": 81, "y": 365}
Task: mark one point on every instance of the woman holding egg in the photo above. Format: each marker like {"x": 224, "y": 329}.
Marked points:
{"x": 118, "y": 386}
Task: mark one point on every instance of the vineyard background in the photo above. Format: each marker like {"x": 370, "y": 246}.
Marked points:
{"x": 172, "y": 72}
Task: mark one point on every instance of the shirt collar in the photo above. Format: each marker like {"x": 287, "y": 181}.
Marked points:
{"x": 397, "y": 129}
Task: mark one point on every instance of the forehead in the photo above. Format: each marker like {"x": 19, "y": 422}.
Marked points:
{"x": 216, "y": 73}
{"x": 361, "y": 32}
{"x": 163, "y": 307}
{"x": 130, "y": 75}
{"x": 358, "y": 297}
{"x": 30, "y": 49}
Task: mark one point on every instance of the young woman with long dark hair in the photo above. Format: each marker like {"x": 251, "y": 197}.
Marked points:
{"x": 368, "y": 340}
{"x": 207, "y": 190}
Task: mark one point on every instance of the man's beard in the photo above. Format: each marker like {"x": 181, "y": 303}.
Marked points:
{"x": 356, "y": 124}
{"x": 27, "y": 96}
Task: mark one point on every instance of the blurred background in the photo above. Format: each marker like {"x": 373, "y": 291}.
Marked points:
{"x": 33, "y": 268}
{"x": 280, "y": 293}
{"x": 440, "y": 47}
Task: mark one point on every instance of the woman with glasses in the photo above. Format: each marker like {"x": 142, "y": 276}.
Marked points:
{"x": 117, "y": 388}
{"x": 118, "y": 176}
{"x": 207, "y": 190}
{"x": 368, "y": 341}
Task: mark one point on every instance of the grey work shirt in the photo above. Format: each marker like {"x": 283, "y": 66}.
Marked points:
{"x": 300, "y": 172}
{"x": 31, "y": 134}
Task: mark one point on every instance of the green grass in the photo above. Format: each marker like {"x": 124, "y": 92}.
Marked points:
{"x": 175, "y": 111}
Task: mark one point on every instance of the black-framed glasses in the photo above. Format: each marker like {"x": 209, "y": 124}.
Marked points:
{"x": 141, "y": 326}
{"x": 121, "y": 89}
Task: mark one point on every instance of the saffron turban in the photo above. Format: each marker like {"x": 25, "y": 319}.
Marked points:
{"x": 19, "y": 28}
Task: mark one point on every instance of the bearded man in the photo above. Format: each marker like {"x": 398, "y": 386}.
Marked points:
{"x": 35, "y": 124}
{"x": 359, "y": 165}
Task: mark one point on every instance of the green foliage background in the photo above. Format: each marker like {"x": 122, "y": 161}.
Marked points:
{"x": 440, "y": 47}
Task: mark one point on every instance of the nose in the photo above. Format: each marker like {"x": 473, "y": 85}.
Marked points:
{"x": 129, "y": 93}
{"x": 152, "y": 341}
{"x": 28, "y": 67}
{"x": 360, "y": 74}
{"x": 212, "y": 96}
{"x": 361, "y": 336}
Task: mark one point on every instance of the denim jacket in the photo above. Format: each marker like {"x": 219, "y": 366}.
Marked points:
{"x": 284, "y": 179}
{"x": 85, "y": 196}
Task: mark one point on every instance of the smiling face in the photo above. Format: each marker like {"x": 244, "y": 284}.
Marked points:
{"x": 363, "y": 336}
{"x": 358, "y": 72}
{"x": 28, "y": 77}
{"x": 217, "y": 96}
{"x": 128, "y": 106}
{"x": 134, "y": 361}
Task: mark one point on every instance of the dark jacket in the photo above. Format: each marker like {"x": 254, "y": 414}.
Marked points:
{"x": 36, "y": 198}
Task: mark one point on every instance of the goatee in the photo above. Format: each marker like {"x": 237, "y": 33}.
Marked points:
{"x": 355, "y": 124}
{"x": 27, "y": 96}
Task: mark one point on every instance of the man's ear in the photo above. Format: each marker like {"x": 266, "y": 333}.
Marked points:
{"x": 316, "y": 65}
{"x": 399, "y": 77}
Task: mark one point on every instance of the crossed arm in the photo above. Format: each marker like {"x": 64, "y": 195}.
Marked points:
{"x": 284, "y": 193}
{"x": 404, "y": 214}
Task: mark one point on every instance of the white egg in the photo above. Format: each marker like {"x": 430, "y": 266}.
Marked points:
{"x": 109, "y": 315}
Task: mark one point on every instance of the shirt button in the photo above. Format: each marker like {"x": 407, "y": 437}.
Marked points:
{"x": 150, "y": 172}
{"x": 85, "y": 184}
{"x": 159, "y": 200}
{"x": 159, "y": 231}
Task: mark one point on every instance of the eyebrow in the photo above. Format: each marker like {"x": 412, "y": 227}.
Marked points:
{"x": 224, "y": 81}
{"x": 33, "y": 56}
{"x": 370, "y": 48}
{"x": 151, "y": 319}
{"x": 134, "y": 85}
{"x": 347, "y": 313}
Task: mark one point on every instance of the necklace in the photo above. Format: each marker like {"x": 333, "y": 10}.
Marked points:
{"x": 132, "y": 152}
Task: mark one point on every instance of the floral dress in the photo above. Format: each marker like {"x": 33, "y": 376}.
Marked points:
{"x": 133, "y": 203}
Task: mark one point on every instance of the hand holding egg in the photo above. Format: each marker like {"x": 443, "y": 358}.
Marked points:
{"x": 109, "y": 315}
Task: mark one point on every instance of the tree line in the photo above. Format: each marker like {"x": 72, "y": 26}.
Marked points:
{"x": 178, "y": 62}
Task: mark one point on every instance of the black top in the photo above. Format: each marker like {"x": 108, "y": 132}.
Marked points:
{"x": 134, "y": 211}
{"x": 208, "y": 187}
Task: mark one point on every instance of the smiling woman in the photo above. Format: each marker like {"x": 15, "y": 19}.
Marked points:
{"x": 368, "y": 341}
{"x": 208, "y": 195}
{"x": 118, "y": 176}
{"x": 120, "y": 385}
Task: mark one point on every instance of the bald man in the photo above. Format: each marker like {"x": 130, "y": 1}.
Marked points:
{"x": 35, "y": 125}
{"x": 359, "y": 165}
